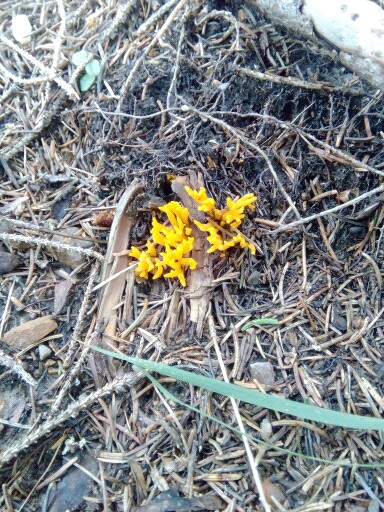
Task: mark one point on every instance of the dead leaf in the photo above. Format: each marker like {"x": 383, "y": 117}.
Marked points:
{"x": 272, "y": 492}
{"x": 16, "y": 206}
{"x": 347, "y": 195}
{"x": 70, "y": 491}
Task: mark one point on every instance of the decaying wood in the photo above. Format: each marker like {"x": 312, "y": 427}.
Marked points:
{"x": 200, "y": 280}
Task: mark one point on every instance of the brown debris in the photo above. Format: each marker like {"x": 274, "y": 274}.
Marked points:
{"x": 30, "y": 332}
{"x": 200, "y": 280}
{"x": 62, "y": 290}
{"x": 170, "y": 501}
{"x": 263, "y": 373}
{"x": 103, "y": 219}
{"x": 273, "y": 493}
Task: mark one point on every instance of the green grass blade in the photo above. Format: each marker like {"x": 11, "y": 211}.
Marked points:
{"x": 260, "y": 321}
{"x": 176, "y": 400}
{"x": 268, "y": 401}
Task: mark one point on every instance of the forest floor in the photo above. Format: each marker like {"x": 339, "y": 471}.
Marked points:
{"x": 211, "y": 93}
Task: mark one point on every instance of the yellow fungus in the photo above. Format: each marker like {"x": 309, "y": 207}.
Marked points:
{"x": 168, "y": 252}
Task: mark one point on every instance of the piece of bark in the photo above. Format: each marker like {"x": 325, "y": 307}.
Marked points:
{"x": 61, "y": 294}
{"x": 29, "y": 333}
{"x": 199, "y": 283}
{"x": 113, "y": 291}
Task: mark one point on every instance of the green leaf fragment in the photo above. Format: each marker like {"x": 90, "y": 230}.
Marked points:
{"x": 93, "y": 68}
{"x": 173, "y": 398}
{"x": 86, "y": 82}
{"x": 80, "y": 57}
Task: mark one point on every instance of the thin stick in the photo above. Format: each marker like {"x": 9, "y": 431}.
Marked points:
{"x": 324, "y": 213}
{"x": 153, "y": 18}
{"x": 306, "y": 137}
{"x": 111, "y": 278}
{"x": 172, "y": 88}
{"x": 295, "y": 82}
{"x": 48, "y": 72}
{"x": 251, "y": 459}
{"x": 32, "y": 227}
{"x": 326, "y": 241}
{"x": 80, "y": 318}
{"x": 49, "y": 243}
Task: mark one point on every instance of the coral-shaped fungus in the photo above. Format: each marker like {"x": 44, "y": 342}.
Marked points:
{"x": 168, "y": 253}
{"x": 222, "y": 224}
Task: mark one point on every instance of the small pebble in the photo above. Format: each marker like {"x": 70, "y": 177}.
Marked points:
{"x": 8, "y": 262}
{"x": 264, "y": 373}
{"x": 254, "y": 278}
{"x": 21, "y": 28}
{"x": 44, "y": 352}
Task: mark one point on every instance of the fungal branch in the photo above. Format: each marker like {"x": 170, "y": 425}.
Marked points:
{"x": 169, "y": 252}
